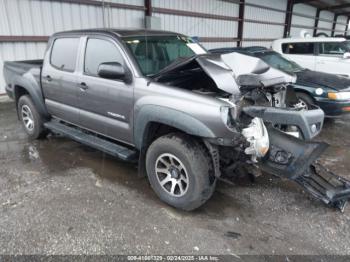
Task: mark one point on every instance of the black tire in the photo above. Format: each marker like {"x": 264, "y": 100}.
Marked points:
{"x": 38, "y": 130}
{"x": 306, "y": 99}
{"x": 197, "y": 167}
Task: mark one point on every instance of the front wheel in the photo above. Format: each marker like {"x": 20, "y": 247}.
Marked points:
{"x": 180, "y": 171}
{"x": 304, "y": 101}
{"x": 31, "y": 120}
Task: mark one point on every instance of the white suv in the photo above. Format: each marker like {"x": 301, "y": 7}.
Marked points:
{"x": 324, "y": 54}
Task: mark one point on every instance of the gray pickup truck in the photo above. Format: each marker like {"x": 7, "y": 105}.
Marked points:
{"x": 188, "y": 117}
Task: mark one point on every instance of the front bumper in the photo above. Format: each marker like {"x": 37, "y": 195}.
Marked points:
{"x": 309, "y": 122}
{"x": 333, "y": 108}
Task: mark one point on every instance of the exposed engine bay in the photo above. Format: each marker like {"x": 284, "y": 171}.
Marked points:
{"x": 274, "y": 131}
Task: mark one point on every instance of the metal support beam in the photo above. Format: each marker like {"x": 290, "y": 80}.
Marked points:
{"x": 347, "y": 26}
{"x": 334, "y": 24}
{"x": 148, "y": 7}
{"x": 317, "y": 17}
{"x": 288, "y": 20}
{"x": 240, "y": 23}
{"x": 303, "y": 1}
{"x": 345, "y": 13}
{"x": 334, "y": 7}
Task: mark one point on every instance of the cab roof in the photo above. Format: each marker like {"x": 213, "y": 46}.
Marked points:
{"x": 310, "y": 39}
{"x": 124, "y": 32}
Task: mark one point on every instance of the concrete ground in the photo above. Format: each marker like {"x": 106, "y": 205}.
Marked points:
{"x": 60, "y": 197}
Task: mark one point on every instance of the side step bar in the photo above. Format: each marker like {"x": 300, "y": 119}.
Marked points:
{"x": 333, "y": 190}
{"x": 92, "y": 140}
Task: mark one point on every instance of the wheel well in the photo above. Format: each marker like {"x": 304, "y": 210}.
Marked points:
{"x": 305, "y": 93}
{"x": 155, "y": 130}
{"x": 20, "y": 91}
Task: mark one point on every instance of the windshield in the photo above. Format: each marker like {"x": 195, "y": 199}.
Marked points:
{"x": 153, "y": 53}
{"x": 277, "y": 61}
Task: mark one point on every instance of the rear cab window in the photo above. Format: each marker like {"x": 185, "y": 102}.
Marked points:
{"x": 298, "y": 48}
{"x": 64, "y": 53}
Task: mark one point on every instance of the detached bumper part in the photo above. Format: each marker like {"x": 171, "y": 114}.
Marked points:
{"x": 333, "y": 190}
{"x": 294, "y": 159}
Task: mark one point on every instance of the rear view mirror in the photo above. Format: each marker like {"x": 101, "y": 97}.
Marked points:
{"x": 346, "y": 55}
{"x": 112, "y": 70}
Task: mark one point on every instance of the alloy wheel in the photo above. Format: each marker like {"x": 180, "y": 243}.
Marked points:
{"x": 172, "y": 175}
{"x": 27, "y": 118}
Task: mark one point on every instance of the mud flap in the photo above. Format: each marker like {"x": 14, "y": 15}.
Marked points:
{"x": 295, "y": 160}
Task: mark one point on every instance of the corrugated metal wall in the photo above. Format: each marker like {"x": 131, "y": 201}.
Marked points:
{"x": 326, "y": 26}
{"x": 198, "y": 26}
{"x": 267, "y": 30}
{"x": 213, "y": 21}
{"x": 302, "y": 19}
{"x": 341, "y": 26}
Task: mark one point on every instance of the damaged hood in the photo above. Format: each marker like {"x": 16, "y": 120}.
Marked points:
{"x": 225, "y": 69}
{"x": 319, "y": 79}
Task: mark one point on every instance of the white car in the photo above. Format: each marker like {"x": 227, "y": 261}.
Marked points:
{"x": 324, "y": 54}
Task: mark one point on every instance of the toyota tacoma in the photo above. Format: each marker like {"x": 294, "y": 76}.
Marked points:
{"x": 189, "y": 118}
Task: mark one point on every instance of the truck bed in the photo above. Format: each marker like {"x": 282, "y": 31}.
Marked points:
{"x": 23, "y": 66}
{"x": 19, "y": 68}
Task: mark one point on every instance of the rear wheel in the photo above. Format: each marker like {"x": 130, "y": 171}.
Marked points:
{"x": 180, "y": 171}
{"x": 31, "y": 120}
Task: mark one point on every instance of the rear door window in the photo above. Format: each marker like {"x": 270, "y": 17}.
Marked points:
{"x": 64, "y": 53}
{"x": 333, "y": 48}
{"x": 298, "y": 48}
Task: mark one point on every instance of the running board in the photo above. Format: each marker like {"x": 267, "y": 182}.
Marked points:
{"x": 333, "y": 190}
{"x": 92, "y": 140}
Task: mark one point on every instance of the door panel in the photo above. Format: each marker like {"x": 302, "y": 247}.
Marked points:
{"x": 330, "y": 64}
{"x": 59, "y": 80}
{"x": 106, "y": 105}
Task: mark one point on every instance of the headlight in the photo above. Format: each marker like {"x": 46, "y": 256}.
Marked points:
{"x": 339, "y": 96}
{"x": 258, "y": 138}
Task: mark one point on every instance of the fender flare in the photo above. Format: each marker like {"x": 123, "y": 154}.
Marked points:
{"x": 29, "y": 83}
{"x": 171, "y": 117}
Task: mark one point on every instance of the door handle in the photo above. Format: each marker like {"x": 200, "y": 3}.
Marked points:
{"x": 48, "y": 78}
{"x": 83, "y": 86}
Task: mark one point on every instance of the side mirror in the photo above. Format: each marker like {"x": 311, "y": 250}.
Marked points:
{"x": 346, "y": 55}
{"x": 112, "y": 70}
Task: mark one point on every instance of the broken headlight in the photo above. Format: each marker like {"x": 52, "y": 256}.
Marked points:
{"x": 258, "y": 138}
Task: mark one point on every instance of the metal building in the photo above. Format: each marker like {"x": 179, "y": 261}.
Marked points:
{"x": 26, "y": 24}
